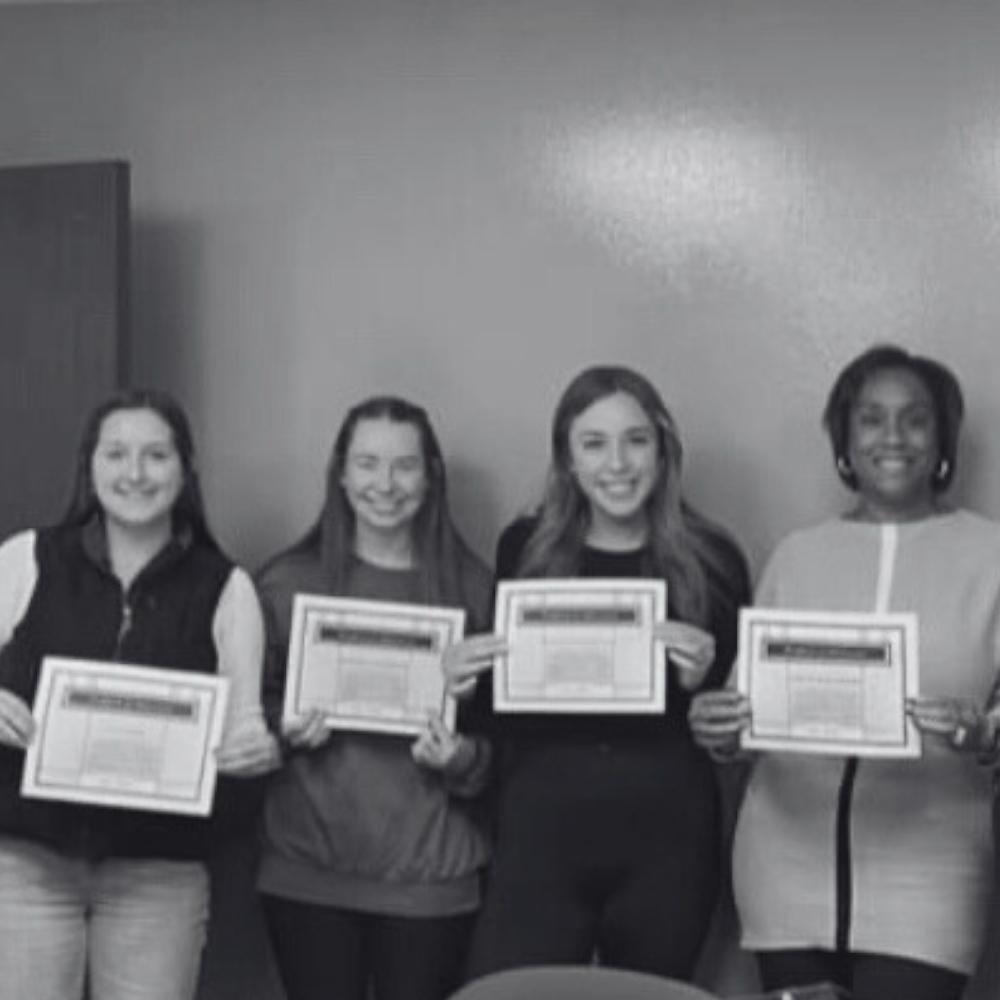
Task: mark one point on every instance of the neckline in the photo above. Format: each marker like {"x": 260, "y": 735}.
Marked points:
{"x": 620, "y": 553}
{"x": 936, "y": 518}
{"x": 379, "y": 568}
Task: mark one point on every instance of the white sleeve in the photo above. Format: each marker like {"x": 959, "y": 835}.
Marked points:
{"x": 18, "y": 576}
{"x": 238, "y": 629}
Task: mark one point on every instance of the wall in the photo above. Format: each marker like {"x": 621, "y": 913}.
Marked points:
{"x": 466, "y": 201}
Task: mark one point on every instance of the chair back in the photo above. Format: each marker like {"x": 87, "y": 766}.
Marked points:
{"x": 571, "y": 982}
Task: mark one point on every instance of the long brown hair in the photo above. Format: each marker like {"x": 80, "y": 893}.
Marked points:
{"x": 683, "y": 546}
{"x": 443, "y": 558}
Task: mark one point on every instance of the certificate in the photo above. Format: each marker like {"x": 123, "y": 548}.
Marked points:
{"x": 580, "y": 646}
{"x": 829, "y": 682}
{"x": 111, "y": 734}
{"x": 370, "y": 665}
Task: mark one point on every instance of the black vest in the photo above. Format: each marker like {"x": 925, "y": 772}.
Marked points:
{"x": 79, "y": 609}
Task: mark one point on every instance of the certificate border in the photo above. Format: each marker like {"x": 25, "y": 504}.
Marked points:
{"x": 757, "y": 621}
{"x": 650, "y": 594}
{"x": 448, "y": 622}
{"x": 199, "y": 803}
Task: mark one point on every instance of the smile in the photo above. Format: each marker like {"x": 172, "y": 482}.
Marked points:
{"x": 620, "y": 488}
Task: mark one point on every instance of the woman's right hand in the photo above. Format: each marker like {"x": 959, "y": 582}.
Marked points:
{"x": 464, "y": 661}
{"x": 717, "y": 718}
{"x": 17, "y": 725}
{"x": 308, "y": 731}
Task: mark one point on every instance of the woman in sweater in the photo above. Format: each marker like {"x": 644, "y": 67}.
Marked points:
{"x": 372, "y": 848}
{"x": 875, "y": 874}
{"x": 115, "y": 901}
{"x": 607, "y": 837}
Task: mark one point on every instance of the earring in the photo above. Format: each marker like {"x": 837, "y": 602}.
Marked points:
{"x": 942, "y": 470}
{"x": 844, "y": 466}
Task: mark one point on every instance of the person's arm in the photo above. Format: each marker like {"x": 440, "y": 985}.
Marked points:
{"x": 248, "y": 748}
{"x": 18, "y": 577}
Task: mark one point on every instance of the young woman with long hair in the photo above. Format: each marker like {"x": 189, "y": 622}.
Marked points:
{"x": 372, "y": 845}
{"x": 608, "y": 828}
{"x": 114, "y": 902}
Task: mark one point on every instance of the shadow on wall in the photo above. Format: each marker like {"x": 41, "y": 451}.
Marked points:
{"x": 238, "y": 964}
{"x": 167, "y": 275}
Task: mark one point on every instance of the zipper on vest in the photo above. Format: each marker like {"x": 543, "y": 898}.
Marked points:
{"x": 124, "y": 627}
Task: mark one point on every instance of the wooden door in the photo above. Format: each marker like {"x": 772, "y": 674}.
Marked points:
{"x": 64, "y": 238}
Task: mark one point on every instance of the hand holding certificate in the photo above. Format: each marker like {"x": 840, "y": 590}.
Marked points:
{"x": 829, "y": 682}
{"x": 117, "y": 735}
{"x": 369, "y": 665}
{"x": 580, "y": 646}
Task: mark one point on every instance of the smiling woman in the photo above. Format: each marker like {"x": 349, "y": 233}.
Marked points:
{"x": 876, "y": 874}
{"x": 608, "y": 825}
{"x": 119, "y": 897}
{"x": 372, "y": 851}
{"x": 137, "y": 471}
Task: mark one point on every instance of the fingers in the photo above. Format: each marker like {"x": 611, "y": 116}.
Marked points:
{"x": 308, "y": 731}
{"x": 464, "y": 661}
{"x": 718, "y": 717}
{"x": 953, "y": 719}
{"x": 690, "y": 648}
{"x": 439, "y": 749}
{"x": 17, "y": 725}
{"x": 249, "y": 757}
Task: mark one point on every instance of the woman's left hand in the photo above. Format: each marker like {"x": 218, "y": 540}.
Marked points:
{"x": 439, "y": 749}
{"x": 248, "y": 754}
{"x": 691, "y": 649}
{"x": 958, "y": 722}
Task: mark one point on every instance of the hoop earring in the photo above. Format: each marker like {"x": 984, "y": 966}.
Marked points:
{"x": 942, "y": 470}
{"x": 844, "y": 467}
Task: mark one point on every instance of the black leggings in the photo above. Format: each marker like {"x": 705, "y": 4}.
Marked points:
{"x": 867, "y": 976}
{"x": 601, "y": 852}
{"x": 326, "y": 953}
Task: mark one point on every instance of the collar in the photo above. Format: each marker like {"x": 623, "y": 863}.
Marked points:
{"x": 94, "y": 542}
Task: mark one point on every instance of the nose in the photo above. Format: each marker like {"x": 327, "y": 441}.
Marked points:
{"x": 618, "y": 455}
{"x": 135, "y": 470}
{"x": 383, "y": 478}
{"x": 894, "y": 429}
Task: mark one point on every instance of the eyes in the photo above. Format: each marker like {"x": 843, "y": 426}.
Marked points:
{"x": 593, "y": 442}
{"x": 914, "y": 419}
{"x": 160, "y": 454}
{"x": 406, "y": 465}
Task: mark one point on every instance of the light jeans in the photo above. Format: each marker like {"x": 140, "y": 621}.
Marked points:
{"x": 135, "y": 927}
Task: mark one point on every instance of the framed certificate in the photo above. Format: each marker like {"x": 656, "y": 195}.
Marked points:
{"x": 829, "y": 682}
{"x": 580, "y": 646}
{"x": 111, "y": 734}
{"x": 370, "y": 665}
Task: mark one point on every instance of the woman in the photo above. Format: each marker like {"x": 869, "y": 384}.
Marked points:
{"x": 608, "y": 825}
{"x": 372, "y": 850}
{"x": 119, "y": 897}
{"x": 875, "y": 874}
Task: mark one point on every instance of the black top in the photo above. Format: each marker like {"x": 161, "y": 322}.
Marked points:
{"x": 725, "y": 598}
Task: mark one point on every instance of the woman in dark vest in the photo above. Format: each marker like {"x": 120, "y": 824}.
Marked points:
{"x": 107, "y": 900}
